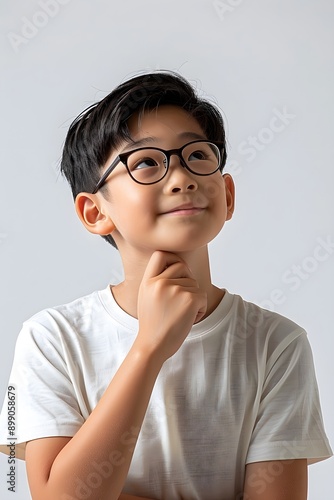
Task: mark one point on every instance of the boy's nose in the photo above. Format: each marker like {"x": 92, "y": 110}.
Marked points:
{"x": 178, "y": 177}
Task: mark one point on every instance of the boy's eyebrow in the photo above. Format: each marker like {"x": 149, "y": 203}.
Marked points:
{"x": 149, "y": 140}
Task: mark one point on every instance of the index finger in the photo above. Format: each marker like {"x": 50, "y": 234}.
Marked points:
{"x": 160, "y": 261}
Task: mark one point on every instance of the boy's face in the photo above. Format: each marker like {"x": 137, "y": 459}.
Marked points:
{"x": 146, "y": 217}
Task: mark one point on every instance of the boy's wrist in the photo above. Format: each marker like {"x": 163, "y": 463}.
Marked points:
{"x": 147, "y": 353}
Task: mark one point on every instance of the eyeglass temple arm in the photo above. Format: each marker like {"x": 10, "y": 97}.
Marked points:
{"x": 106, "y": 175}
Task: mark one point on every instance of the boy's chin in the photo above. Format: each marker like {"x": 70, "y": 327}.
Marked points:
{"x": 191, "y": 245}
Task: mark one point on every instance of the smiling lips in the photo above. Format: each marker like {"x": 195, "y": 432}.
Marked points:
{"x": 185, "y": 209}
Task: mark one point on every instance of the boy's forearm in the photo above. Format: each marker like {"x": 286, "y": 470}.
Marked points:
{"x": 104, "y": 445}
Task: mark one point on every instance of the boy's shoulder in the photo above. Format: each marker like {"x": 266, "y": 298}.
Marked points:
{"x": 254, "y": 324}
{"x": 257, "y": 314}
{"x": 74, "y": 308}
{"x": 77, "y": 317}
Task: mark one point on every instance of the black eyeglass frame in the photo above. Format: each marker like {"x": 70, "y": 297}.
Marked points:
{"x": 123, "y": 158}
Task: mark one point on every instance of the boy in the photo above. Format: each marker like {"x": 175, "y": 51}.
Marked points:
{"x": 163, "y": 386}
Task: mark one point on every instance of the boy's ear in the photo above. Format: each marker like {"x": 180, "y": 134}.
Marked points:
{"x": 90, "y": 212}
{"x": 230, "y": 195}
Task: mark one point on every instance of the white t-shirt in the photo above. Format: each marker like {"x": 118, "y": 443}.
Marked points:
{"x": 241, "y": 389}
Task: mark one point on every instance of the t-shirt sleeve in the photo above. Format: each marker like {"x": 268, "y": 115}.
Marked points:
{"x": 289, "y": 423}
{"x": 45, "y": 401}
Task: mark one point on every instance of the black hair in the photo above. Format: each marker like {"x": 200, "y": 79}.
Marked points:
{"x": 102, "y": 127}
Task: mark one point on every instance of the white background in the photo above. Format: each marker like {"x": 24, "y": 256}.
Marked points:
{"x": 256, "y": 59}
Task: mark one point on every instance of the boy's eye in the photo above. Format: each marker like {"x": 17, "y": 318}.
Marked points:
{"x": 144, "y": 163}
{"x": 197, "y": 155}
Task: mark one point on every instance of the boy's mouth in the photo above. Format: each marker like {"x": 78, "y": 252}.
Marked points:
{"x": 184, "y": 209}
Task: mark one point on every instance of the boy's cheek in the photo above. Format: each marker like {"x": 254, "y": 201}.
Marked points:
{"x": 213, "y": 190}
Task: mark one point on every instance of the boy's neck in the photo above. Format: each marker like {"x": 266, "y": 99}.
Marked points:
{"x": 126, "y": 292}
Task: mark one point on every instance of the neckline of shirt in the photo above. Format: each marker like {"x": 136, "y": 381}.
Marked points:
{"x": 218, "y": 315}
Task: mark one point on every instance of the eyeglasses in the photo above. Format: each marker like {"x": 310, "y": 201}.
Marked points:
{"x": 150, "y": 165}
